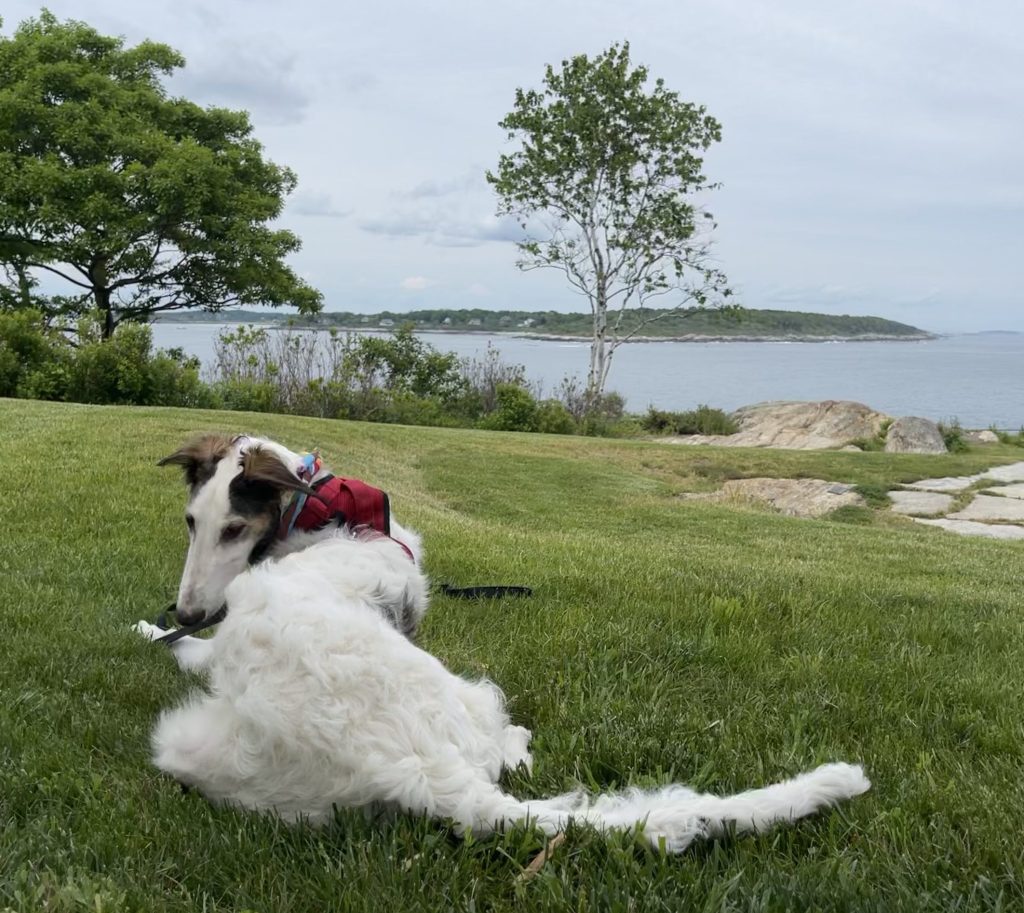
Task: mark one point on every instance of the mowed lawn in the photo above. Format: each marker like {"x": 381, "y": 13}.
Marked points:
{"x": 667, "y": 639}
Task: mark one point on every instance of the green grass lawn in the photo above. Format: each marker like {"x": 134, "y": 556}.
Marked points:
{"x": 667, "y": 640}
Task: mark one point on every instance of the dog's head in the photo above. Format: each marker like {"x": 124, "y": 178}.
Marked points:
{"x": 237, "y": 488}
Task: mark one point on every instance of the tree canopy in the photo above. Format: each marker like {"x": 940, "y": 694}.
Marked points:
{"x": 603, "y": 185}
{"x": 132, "y": 201}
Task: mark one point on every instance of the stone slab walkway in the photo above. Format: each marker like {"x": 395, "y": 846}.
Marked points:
{"x": 920, "y": 503}
{"x": 994, "y": 513}
{"x": 1007, "y": 491}
{"x": 989, "y": 507}
{"x": 970, "y": 528}
{"x": 1014, "y": 472}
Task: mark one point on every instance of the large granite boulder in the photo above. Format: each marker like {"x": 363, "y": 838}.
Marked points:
{"x": 794, "y": 497}
{"x": 911, "y": 434}
{"x": 986, "y": 436}
{"x": 824, "y": 425}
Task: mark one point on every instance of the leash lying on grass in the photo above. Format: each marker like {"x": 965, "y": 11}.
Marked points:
{"x": 444, "y": 589}
{"x": 482, "y": 592}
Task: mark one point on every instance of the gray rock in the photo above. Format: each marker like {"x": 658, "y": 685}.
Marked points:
{"x": 982, "y": 437}
{"x": 947, "y": 483}
{"x": 793, "y": 497}
{"x": 967, "y": 528}
{"x": 912, "y": 434}
{"x": 988, "y": 507}
{"x": 824, "y": 425}
{"x": 920, "y": 503}
{"x": 1007, "y": 491}
{"x": 1014, "y": 472}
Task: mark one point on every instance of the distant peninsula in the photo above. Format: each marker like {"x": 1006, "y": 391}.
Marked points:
{"x": 696, "y": 325}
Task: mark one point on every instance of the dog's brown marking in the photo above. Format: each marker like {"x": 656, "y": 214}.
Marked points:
{"x": 265, "y": 466}
{"x": 255, "y": 493}
{"x": 198, "y": 458}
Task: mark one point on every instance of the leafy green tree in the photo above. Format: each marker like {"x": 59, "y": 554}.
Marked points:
{"x": 603, "y": 185}
{"x": 16, "y": 287}
{"x": 138, "y": 203}
{"x": 405, "y": 363}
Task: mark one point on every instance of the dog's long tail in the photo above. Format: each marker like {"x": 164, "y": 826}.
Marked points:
{"x": 676, "y": 815}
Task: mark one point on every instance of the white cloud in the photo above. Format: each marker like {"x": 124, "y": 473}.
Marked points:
{"x": 416, "y": 283}
{"x": 315, "y": 203}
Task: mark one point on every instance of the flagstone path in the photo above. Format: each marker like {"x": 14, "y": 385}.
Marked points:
{"x": 996, "y": 512}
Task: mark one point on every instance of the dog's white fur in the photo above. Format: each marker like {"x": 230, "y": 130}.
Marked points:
{"x": 315, "y": 701}
{"x": 212, "y": 564}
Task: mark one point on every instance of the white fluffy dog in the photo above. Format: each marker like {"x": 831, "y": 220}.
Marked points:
{"x": 316, "y": 701}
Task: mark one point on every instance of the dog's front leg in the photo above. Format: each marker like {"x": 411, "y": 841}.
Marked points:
{"x": 193, "y": 654}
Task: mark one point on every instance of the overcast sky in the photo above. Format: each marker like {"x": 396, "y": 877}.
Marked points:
{"x": 872, "y": 150}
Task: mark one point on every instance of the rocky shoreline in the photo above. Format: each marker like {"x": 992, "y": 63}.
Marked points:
{"x": 689, "y": 337}
{"x": 697, "y": 337}
{"x": 568, "y": 337}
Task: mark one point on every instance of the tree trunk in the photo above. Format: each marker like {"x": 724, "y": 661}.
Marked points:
{"x": 598, "y": 349}
{"x": 24, "y": 285}
{"x": 102, "y": 295}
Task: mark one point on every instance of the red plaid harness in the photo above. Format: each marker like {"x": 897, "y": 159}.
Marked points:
{"x": 346, "y": 502}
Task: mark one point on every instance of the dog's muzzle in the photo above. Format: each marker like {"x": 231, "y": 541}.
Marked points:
{"x": 186, "y": 627}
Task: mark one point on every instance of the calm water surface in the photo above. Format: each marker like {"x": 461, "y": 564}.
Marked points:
{"x": 978, "y": 379}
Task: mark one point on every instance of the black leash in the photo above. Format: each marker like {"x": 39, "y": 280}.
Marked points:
{"x": 445, "y": 589}
{"x": 483, "y": 592}
{"x": 185, "y": 630}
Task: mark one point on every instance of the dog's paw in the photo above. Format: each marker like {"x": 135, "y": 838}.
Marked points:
{"x": 517, "y": 748}
{"x": 148, "y": 630}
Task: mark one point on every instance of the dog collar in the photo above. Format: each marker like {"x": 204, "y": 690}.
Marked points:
{"x": 307, "y": 471}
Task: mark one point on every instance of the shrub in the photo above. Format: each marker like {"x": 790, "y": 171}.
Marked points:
{"x": 953, "y": 435}
{"x": 33, "y": 358}
{"x": 406, "y": 364}
{"x": 702, "y": 420}
{"x": 398, "y": 379}
{"x": 243, "y": 395}
{"x": 603, "y": 419}
{"x": 554, "y": 418}
{"x": 112, "y": 370}
{"x": 483, "y": 376}
{"x": 123, "y": 370}
{"x": 174, "y": 381}
{"x": 337, "y": 375}
{"x": 1007, "y": 437}
{"x": 516, "y": 410}
{"x": 409, "y": 409}
{"x": 46, "y": 381}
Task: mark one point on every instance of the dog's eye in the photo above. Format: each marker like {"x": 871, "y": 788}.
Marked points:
{"x": 232, "y": 532}
{"x": 190, "y": 522}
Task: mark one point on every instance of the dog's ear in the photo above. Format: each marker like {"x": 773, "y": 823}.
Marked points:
{"x": 261, "y": 465}
{"x": 198, "y": 458}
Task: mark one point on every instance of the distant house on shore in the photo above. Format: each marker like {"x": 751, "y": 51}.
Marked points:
{"x": 387, "y": 322}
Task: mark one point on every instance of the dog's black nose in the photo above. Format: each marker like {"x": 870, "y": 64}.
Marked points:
{"x": 189, "y": 617}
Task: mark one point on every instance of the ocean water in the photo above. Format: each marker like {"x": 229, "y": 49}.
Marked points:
{"x": 976, "y": 378}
